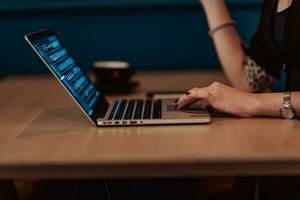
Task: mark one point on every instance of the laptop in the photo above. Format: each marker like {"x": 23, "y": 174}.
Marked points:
{"x": 100, "y": 111}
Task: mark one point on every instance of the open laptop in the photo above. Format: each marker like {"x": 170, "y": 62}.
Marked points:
{"x": 98, "y": 109}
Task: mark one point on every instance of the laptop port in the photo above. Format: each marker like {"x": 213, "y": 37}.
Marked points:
{"x": 117, "y": 123}
{"x": 133, "y": 122}
{"x": 124, "y": 122}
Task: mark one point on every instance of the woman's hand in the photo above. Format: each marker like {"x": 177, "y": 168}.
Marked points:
{"x": 222, "y": 98}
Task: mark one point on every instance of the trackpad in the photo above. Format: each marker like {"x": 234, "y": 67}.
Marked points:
{"x": 195, "y": 108}
{"x": 171, "y": 108}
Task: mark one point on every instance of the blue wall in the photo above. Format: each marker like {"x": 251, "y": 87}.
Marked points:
{"x": 151, "y": 34}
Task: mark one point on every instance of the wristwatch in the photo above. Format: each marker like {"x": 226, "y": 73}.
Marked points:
{"x": 287, "y": 111}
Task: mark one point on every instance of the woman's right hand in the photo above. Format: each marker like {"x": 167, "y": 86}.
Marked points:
{"x": 223, "y": 98}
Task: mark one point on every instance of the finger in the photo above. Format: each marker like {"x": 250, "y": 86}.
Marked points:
{"x": 187, "y": 102}
{"x": 188, "y": 93}
{"x": 206, "y": 103}
{"x": 199, "y": 93}
{"x": 192, "y": 96}
{"x": 181, "y": 99}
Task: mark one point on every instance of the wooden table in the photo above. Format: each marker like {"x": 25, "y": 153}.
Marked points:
{"x": 44, "y": 135}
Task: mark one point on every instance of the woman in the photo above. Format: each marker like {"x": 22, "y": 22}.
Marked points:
{"x": 255, "y": 69}
{"x": 272, "y": 57}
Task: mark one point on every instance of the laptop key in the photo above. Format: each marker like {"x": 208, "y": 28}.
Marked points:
{"x": 139, "y": 109}
{"x": 147, "y": 110}
{"x": 120, "y": 112}
{"x": 129, "y": 111}
{"x": 157, "y": 110}
{"x": 114, "y": 110}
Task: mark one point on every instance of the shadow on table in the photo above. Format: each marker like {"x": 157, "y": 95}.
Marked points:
{"x": 57, "y": 121}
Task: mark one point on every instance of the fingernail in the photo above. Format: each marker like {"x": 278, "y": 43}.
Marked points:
{"x": 176, "y": 101}
{"x": 187, "y": 93}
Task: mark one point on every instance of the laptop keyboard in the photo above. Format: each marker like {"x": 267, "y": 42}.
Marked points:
{"x": 136, "y": 109}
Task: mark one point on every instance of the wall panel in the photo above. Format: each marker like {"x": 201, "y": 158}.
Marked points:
{"x": 151, "y": 34}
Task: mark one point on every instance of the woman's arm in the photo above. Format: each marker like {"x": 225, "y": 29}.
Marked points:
{"x": 236, "y": 102}
{"x": 270, "y": 102}
{"x": 227, "y": 43}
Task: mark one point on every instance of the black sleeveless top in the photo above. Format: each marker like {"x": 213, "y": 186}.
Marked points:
{"x": 272, "y": 51}
{"x": 279, "y": 28}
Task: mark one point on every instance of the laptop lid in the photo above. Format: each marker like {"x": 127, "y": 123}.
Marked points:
{"x": 52, "y": 52}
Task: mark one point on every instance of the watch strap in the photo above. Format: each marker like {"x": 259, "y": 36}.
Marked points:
{"x": 287, "y": 106}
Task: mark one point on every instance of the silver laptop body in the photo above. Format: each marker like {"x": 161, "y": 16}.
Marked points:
{"x": 169, "y": 114}
{"x": 99, "y": 110}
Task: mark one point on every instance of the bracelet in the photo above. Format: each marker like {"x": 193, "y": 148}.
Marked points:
{"x": 220, "y": 27}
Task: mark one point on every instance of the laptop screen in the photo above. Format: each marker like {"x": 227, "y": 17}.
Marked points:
{"x": 70, "y": 74}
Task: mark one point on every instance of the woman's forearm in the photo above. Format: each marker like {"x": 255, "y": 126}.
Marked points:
{"x": 216, "y": 12}
{"x": 227, "y": 43}
{"x": 269, "y": 104}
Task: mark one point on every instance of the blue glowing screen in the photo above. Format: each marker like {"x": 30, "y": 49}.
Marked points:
{"x": 69, "y": 73}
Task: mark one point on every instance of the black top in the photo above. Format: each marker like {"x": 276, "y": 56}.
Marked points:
{"x": 265, "y": 51}
{"x": 279, "y": 28}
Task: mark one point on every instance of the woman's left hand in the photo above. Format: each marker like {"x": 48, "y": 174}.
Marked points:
{"x": 222, "y": 98}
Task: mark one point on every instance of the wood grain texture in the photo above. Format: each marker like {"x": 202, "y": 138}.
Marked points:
{"x": 44, "y": 135}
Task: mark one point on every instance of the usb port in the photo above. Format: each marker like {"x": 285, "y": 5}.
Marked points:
{"x": 124, "y": 122}
{"x": 133, "y": 122}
